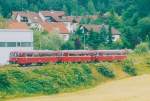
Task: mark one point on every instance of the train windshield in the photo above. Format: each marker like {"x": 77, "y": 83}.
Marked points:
{"x": 13, "y": 54}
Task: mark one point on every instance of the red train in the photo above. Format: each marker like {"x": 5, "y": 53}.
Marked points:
{"x": 41, "y": 57}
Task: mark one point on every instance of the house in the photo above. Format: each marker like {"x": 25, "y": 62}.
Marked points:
{"x": 16, "y": 25}
{"x": 32, "y": 19}
{"x": 14, "y": 40}
{"x": 16, "y": 37}
{"x": 78, "y": 19}
{"x": 51, "y": 16}
{"x": 97, "y": 28}
{"x": 45, "y": 20}
{"x": 72, "y": 22}
{"x": 58, "y": 16}
{"x": 58, "y": 28}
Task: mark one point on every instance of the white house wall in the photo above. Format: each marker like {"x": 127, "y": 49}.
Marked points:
{"x": 64, "y": 36}
{"x": 14, "y": 36}
{"x": 18, "y": 18}
{"x": 116, "y": 37}
{"x": 42, "y": 16}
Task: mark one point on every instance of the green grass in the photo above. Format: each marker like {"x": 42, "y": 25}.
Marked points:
{"x": 65, "y": 77}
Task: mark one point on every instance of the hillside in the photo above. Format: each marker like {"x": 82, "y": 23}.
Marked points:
{"x": 130, "y": 17}
{"x": 130, "y": 89}
{"x": 69, "y": 77}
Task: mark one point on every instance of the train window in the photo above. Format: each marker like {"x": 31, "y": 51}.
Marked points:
{"x": 36, "y": 54}
{"x": 41, "y": 54}
{"x": 29, "y": 54}
{"x": 65, "y": 54}
{"x": 100, "y": 54}
{"x": 21, "y": 55}
{"x": 107, "y": 54}
{"x": 44, "y": 54}
{"x": 49, "y": 54}
{"x": 12, "y": 55}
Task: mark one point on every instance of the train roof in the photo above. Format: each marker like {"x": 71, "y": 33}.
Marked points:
{"x": 70, "y": 51}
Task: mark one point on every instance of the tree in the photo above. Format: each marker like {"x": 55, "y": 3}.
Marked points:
{"x": 110, "y": 34}
{"x": 77, "y": 44}
{"x": 143, "y": 7}
{"x": 37, "y": 41}
{"x": 98, "y": 38}
{"x": 103, "y": 35}
{"x": 47, "y": 41}
{"x": 91, "y": 7}
{"x": 69, "y": 45}
{"x": 144, "y": 28}
{"x": 3, "y": 23}
{"x": 130, "y": 37}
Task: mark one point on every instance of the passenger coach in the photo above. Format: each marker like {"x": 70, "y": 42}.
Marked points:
{"x": 25, "y": 58}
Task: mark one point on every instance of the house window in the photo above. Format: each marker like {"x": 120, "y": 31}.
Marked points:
{"x": 26, "y": 44}
{"x": 24, "y": 19}
{"x": 49, "y": 18}
{"x": 11, "y": 44}
{"x": 18, "y": 44}
{"x": 65, "y": 37}
{"x": 2, "y": 44}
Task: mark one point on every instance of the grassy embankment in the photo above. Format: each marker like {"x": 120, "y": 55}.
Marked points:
{"x": 59, "y": 78}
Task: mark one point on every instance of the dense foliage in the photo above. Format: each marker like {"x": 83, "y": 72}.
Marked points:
{"x": 47, "y": 41}
{"x": 49, "y": 79}
{"x": 63, "y": 77}
{"x": 128, "y": 67}
{"x": 131, "y": 17}
{"x": 104, "y": 70}
{"x": 142, "y": 48}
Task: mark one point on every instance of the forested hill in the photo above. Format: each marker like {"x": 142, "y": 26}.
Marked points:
{"x": 132, "y": 17}
{"x": 76, "y": 7}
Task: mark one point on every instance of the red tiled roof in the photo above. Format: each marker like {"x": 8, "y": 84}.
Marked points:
{"x": 55, "y": 14}
{"x": 97, "y": 28}
{"x": 60, "y": 27}
{"x": 89, "y": 27}
{"x": 34, "y": 17}
{"x": 17, "y": 25}
{"x": 79, "y": 18}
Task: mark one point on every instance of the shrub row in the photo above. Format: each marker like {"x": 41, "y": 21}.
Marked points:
{"x": 105, "y": 71}
{"x": 129, "y": 68}
{"x": 46, "y": 80}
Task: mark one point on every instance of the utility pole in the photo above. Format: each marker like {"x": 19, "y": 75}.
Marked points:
{"x": 83, "y": 32}
{"x": 84, "y": 41}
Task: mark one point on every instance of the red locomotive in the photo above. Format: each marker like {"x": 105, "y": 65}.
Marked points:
{"x": 42, "y": 57}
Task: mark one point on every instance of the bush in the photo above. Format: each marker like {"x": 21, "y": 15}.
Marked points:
{"x": 129, "y": 68}
{"x": 32, "y": 86}
{"x": 40, "y": 85}
{"x": 49, "y": 79}
{"x": 142, "y": 48}
{"x": 80, "y": 77}
{"x": 148, "y": 61}
{"x": 86, "y": 69}
{"x": 17, "y": 74}
{"x": 4, "y": 82}
{"x": 105, "y": 71}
